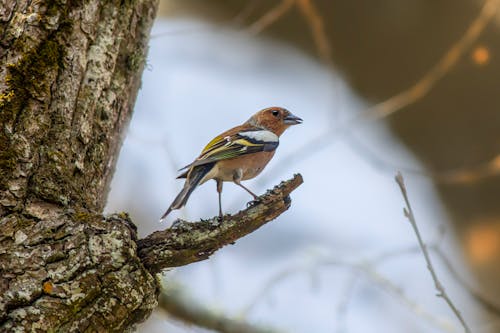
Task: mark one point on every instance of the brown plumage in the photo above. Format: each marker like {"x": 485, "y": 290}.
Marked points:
{"x": 238, "y": 154}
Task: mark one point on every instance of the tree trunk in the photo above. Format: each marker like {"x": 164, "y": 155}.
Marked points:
{"x": 69, "y": 76}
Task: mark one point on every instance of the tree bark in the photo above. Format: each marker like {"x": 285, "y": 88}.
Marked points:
{"x": 69, "y": 76}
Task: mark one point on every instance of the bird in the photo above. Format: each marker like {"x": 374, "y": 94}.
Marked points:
{"x": 238, "y": 154}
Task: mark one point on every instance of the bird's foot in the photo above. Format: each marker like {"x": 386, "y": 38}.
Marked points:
{"x": 254, "y": 202}
{"x": 176, "y": 224}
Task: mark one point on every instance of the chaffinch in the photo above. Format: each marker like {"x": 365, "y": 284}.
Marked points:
{"x": 238, "y": 154}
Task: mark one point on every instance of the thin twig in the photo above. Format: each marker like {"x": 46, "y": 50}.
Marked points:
{"x": 476, "y": 295}
{"x": 400, "y": 295}
{"x": 245, "y": 12}
{"x": 270, "y": 17}
{"x": 436, "y": 249}
{"x": 409, "y": 96}
{"x": 317, "y": 26}
{"x": 443, "y": 66}
{"x": 408, "y": 212}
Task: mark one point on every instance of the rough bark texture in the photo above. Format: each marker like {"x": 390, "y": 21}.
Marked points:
{"x": 69, "y": 75}
{"x": 72, "y": 272}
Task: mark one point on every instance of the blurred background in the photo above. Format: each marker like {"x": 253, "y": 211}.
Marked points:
{"x": 382, "y": 86}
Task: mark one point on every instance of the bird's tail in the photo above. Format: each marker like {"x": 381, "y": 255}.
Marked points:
{"x": 191, "y": 183}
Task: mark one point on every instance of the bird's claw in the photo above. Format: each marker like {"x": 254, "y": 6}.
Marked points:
{"x": 253, "y": 202}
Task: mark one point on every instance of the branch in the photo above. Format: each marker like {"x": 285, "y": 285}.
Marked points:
{"x": 399, "y": 101}
{"x": 178, "y": 305}
{"x": 187, "y": 242}
{"x": 440, "y": 69}
{"x": 317, "y": 26}
{"x": 271, "y": 17}
{"x": 439, "y": 287}
{"x": 477, "y": 296}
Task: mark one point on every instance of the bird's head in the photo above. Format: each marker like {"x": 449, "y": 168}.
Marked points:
{"x": 274, "y": 119}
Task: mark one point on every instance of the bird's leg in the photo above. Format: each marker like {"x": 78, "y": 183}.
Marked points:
{"x": 237, "y": 180}
{"x": 219, "y": 190}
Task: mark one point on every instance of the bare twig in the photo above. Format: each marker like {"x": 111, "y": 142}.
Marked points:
{"x": 409, "y": 96}
{"x": 443, "y": 66}
{"x": 478, "y": 297}
{"x": 316, "y": 24}
{"x": 271, "y": 17}
{"x": 439, "y": 287}
{"x": 178, "y": 305}
{"x": 187, "y": 242}
{"x": 436, "y": 249}
{"x": 400, "y": 295}
{"x": 245, "y": 12}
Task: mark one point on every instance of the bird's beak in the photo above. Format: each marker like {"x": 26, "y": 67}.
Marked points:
{"x": 292, "y": 120}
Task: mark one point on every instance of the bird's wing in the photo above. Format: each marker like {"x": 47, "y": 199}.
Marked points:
{"x": 236, "y": 143}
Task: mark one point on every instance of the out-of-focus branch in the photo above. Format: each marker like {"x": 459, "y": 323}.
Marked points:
{"x": 443, "y": 66}
{"x": 271, "y": 16}
{"x": 439, "y": 287}
{"x": 314, "y": 19}
{"x": 180, "y": 306}
{"x": 407, "y": 97}
{"x": 317, "y": 26}
{"x": 187, "y": 242}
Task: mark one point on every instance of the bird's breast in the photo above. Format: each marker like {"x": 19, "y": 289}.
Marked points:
{"x": 251, "y": 165}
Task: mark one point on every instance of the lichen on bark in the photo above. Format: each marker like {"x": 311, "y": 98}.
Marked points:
{"x": 186, "y": 242}
{"x": 67, "y": 91}
{"x": 72, "y": 271}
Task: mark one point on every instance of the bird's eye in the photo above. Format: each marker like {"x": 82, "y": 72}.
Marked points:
{"x": 275, "y": 113}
